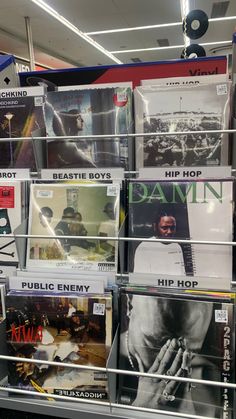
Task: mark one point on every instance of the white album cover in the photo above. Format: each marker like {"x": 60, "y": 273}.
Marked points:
{"x": 73, "y": 210}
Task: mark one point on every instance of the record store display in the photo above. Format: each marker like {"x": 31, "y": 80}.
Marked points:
{"x": 185, "y": 108}
{"x": 112, "y": 270}
{"x": 184, "y": 336}
{"x": 74, "y": 210}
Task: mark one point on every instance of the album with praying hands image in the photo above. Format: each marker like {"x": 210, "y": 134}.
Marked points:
{"x": 189, "y": 336}
{"x": 21, "y": 113}
{"x": 84, "y": 111}
{"x": 181, "y": 210}
{"x": 71, "y": 212}
{"x": 172, "y": 108}
{"x": 74, "y": 329}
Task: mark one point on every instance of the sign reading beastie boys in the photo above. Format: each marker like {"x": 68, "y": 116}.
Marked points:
{"x": 84, "y": 174}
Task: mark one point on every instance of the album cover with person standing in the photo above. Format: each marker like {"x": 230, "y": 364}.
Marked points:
{"x": 73, "y": 212}
{"x": 73, "y": 329}
{"x": 198, "y": 210}
{"x": 84, "y": 111}
{"x": 171, "y": 108}
{"x": 189, "y": 336}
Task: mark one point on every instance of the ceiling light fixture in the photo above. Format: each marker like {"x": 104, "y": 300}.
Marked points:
{"x": 52, "y": 12}
{"x": 161, "y": 25}
{"x": 169, "y": 47}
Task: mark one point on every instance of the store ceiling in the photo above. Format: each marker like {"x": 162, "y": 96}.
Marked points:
{"x": 56, "y": 46}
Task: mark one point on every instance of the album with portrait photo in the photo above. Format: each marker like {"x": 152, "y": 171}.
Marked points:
{"x": 84, "y": 111}
{"x": 184, "y": 210}
{"x": 190, "y": 336}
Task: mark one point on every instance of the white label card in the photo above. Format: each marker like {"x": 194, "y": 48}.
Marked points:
{"x": 82, "y": 174}
{"x": 14, "y": 174}
{"x": 57, "y": 285}
{"x": 166, "y": 173}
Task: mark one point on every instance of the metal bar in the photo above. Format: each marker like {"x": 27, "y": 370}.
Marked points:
{"x": 120, "y": 371}
{"x": 128, "y": 239}
{"x": 30, "y": 43}
{"x": 128, "y": 135}
{"x": 162, "y": 412}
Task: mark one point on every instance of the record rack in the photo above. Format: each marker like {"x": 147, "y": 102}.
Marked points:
{"x": 66, "y": 406}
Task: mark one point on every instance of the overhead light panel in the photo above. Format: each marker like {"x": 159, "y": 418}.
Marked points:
{"x": 158, "y": 26}
{"x": 169, "y": 47}
{"x": 52, "y": 12}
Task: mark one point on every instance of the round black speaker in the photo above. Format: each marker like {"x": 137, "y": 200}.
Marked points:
{"x": 195, "y": 24}
{"x": 193, "y": 51}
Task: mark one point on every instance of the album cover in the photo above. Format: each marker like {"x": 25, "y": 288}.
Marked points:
{"x": 21, "y": 113}
{"x": 74, "y": 210}
{"x": 182, "y": 108}
{"x": 10, "y": 219}
{"x": 196, "y": 210}
{"x": 86, "y": 111}
{"x": 182, "y": 337}
{"x": 68, "y": 329}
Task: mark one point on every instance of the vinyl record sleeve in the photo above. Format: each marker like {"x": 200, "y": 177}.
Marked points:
{"x": 196, "y": 210}
{"x": 10, "y": 219}
{"x": 184, "y": 108}
{"x": 70, "y": 329}
{"x": 182, "y": 337}
{"x": 21, "y": 113}
{"x": 74, "y": 210}
{"x": 88, "y": 111}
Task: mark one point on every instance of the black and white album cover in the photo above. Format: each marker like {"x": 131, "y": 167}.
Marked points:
{"x": 196, "y": 210}
{"x": 85, "y": 111}
{"x": 62, "y": 328}
{"x": 88, "y": 209}
{"x": 180, "y": 336}
{"x": 21, "y": 113}
{"x": 170, "y": 108}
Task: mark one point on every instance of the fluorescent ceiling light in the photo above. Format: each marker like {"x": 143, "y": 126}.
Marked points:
{"x": 73, "y": 28}
{"x": 135, "y": 28}
{"x": 169, "y": 47}
{"x": 161, "y": 25}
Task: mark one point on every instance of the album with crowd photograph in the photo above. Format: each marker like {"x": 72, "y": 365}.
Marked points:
{"x": 170, "y": 108}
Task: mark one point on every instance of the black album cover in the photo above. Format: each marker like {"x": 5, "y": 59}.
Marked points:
{"x": 21, "y": 113}
{"x": 68, "y": 329}
{"x": 182, "y": 337}
{"x": 183, "y": 108}
{"x": 89, "y": 111}
{"x": 196, "y": 210}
